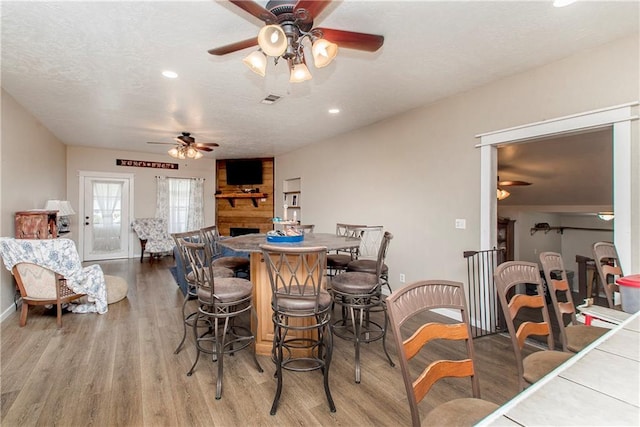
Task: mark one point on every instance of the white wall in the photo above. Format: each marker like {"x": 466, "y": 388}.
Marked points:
{"x": 33, "y": 171}
{"x": 101, "y": 160}
{"x": 417, "y": 172}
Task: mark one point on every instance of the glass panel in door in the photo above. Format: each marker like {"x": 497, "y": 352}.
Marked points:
{"x": 106, "y": 219}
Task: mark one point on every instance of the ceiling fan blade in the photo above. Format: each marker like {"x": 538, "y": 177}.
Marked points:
{"x": 352, "y": 40}
{"x": 256, "y": 10}
{"x": 313, "y": 7}
{"x": 203, "y": 148}
{"x": 185, "y": 139}
{"x": 233, "y": 47}
{"x": 207, "y": 144}
{"x": 163, "y": 143}
{"x": 512, "y": 183}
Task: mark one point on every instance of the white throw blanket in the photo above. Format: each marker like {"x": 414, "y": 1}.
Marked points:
{"x": 61, "y": 256}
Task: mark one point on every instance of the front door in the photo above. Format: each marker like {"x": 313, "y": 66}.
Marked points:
{"x": 106, "y": 217}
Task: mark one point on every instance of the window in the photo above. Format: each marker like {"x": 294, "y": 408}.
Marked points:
{"x": 181, "y": 202}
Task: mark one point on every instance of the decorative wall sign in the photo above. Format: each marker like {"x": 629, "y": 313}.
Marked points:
{"x": 145, "y": 164}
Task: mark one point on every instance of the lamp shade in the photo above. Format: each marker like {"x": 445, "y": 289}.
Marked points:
{"x": 323, "y": 52}
{"x": 62, "y": 206}
{"x": 257, "y": 62}
{"x": 272, "y": 40}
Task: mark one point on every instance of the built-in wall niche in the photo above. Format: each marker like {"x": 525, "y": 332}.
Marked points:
{"x": 291, "y": 198}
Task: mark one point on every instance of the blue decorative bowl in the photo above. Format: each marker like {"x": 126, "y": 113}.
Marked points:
{"x": 285, "y": 239}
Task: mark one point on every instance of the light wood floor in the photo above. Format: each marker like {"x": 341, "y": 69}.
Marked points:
{"x": 119, "y": 369}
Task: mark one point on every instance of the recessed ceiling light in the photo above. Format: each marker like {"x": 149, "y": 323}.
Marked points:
{"x": 170, "y": 74}
{"x": 334, "y": 110}
{"x": 563, "y": 3}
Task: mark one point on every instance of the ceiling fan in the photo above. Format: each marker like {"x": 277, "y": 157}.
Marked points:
{"x": 502, "y": 193}
{"x": 186, "y": 147}
{"x": 287, "y": 24}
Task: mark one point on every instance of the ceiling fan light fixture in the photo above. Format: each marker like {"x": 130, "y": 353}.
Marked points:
{"x": 300, "y": 73}
{"x": 272, "y": 40}
{"x": 173, "y": 152}
{"x": 191, "y": 152}
{"x": 198, "y": 155}
{"x": 257, "y": 62}
{"x": 502, "y": 194}
{"x": 323, "y": 52}
{"x": 606, "y": 216}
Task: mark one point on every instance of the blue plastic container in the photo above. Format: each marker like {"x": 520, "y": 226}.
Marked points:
{"x": 285, "y": 239}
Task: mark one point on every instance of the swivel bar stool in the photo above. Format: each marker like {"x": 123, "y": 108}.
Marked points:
{"x": 366, "y": 259}
{"x": 239, "y": 264}
{"x": 360, "y": 295}
{"x": 302, "y": 339}
{"x": 221, "y": 301}
{"x": 338, "y": 261}
{"x": 185, "y": 271}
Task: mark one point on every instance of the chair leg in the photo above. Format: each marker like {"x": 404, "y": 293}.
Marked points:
{"x": 278, "y": 360}
{"x": 23, "y": 313}
{"x": 357, "y": 330}
{"x": 254, "y": 314}
{"x": 384, "y": 336}
{"x": 59, "y": 314}
{"x": 219, "y": 353}
{"x": 184, "y": 324}
{"x": 327, "y": 364}
{"x": 195, "y": 334}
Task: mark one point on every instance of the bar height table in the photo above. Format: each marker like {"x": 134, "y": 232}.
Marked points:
{"x": 260, "y": 278}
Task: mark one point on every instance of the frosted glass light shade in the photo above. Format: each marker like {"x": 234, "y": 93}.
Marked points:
{"x": 606, "y": 216}
{"x": 191, "y": 152}
{"x": 173, "y": 152}
{"x": 503, "y": 194}
{"x": 272, "y": 40}
{"x": 299, "y": 73}
{"x": 257, "y": 62}
{"x": 323, "y": 52}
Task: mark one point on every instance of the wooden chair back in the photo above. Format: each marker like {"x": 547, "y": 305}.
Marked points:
{"x": 507, "y": 276}
{"x": 608, "y": 267}
{"x": 41, "y": 286}
{"x": 559, "y": 290}
{"x": 411, "y": 334}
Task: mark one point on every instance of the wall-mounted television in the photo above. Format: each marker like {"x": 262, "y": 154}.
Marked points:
{"x": 244, "y": 172}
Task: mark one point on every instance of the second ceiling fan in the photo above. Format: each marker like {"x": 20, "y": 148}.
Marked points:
{"x": 287, "y": 25}
{"x": 186, "y": 147}
{"x": 502, "y": 193}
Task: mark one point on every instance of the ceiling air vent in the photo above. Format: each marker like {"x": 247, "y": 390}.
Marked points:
{"x": 270, "y": 99}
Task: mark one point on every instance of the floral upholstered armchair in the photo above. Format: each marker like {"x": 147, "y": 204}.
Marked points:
{"x": 154, "y": 237}
{"x": 49, "y": 272}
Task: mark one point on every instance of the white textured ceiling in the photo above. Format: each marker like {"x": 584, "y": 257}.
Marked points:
{"x": 90, "y": 71}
